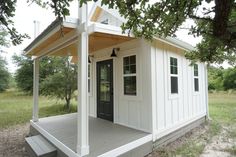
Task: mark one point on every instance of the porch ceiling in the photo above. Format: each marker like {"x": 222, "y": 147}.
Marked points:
{"x": 57, "y": 41}
{"x": 35, "y": 51}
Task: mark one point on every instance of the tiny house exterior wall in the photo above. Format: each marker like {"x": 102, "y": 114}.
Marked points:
{"x": 132, "y": 111}
{"x": 173, "y": 111}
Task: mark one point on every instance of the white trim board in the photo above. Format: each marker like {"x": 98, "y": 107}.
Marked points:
{"x": 127, "y": 147}
{"x": 54, "y": 141}
{"x": 160, "y": 133}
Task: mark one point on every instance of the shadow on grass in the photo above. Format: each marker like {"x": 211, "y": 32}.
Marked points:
{"x": 56, "y": 109}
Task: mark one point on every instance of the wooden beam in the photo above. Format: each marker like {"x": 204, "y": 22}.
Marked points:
{"x": 59, "y": 44}
{"x": 96, "y": 14}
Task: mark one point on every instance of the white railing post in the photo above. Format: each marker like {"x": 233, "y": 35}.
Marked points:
{"x": 36, "y": 90}
{"x": 83, "y": 115}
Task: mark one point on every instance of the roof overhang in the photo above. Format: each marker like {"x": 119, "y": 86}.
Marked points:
{"x": 52, "y": 42}
{"x": 57, "y": 30}
{"x": 176, "y": 43}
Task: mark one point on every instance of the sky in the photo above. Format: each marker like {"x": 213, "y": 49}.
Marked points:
{"x": 26, "y": 14}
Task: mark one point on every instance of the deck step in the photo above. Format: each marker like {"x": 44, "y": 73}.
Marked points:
{"x": 38, "y": 146}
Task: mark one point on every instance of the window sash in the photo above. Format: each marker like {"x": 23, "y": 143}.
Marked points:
{"x": 196, "y": 84}
{"x": 129, "y": 75}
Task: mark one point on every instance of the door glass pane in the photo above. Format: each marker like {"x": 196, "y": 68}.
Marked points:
{"x": 105, "y": 82}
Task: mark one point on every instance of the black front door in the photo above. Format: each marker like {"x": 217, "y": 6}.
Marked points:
{"x": 105, "y": 90}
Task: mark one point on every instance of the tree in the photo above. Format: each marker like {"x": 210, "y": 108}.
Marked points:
{"x": 57, "y": 77}
{"x": 230, "y": 79}
{"x": 215, "y": 78}
{"x": 24, "y": 73}
{"x": 3, "y": 37}
{"x": 4, "y": 75}
{"x": 215, "y": 21}
{"x": 63, "y": 83}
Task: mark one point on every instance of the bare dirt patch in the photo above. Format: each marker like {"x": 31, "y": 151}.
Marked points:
{"x": 12, "y": 141}
{"x": 219, "y": 145}
{"x": 181, "y": 146}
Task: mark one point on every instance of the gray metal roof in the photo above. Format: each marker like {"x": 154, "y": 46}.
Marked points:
{"x": 54, "y": 24}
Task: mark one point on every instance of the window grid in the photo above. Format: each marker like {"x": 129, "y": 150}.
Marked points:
{"x": 196, "y": 77}
{"x": 174, "y": 75}
{"x": 129, "y": 75}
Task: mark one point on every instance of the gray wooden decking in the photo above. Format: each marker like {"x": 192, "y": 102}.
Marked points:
{"x": 104, "y": 136}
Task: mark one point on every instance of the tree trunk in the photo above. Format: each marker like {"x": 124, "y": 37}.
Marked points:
{"x": 67, "y": 106}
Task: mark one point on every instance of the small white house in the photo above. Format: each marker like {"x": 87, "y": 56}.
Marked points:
{"x": 133, "y": 94}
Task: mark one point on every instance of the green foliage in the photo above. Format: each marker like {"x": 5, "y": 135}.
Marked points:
{"x": 4, "y": 75}
{"x": 221, "y": 79}
{"x": 3, "y": 37}
{"x": 215, "y": 22}
{"x": 24, "y": 73}
{"x": 7, "y": 10}
{"x": 230, "y": 79}
{"x": 215, "y": 78}
{"x": 63, "y": 83}
{"x": 57, "y": 77}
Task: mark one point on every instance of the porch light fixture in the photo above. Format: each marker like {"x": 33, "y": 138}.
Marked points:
{"x": 89, "y": 58}
{"x": 114, "y": 50}
{"x": 89, "y": 61}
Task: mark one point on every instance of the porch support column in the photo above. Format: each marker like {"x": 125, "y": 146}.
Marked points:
{"x": 83, "y": 115}
{"x": 36, "y": 90}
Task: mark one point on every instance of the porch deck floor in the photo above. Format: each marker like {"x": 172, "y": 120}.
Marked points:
{"x": 104, "y": 136}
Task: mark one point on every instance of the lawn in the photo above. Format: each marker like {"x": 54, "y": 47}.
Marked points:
{"x": 16, "y": 108}
{"x": 222, "y": 108}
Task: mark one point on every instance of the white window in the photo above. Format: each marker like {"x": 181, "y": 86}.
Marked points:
{"x": 129, "y": 75}
{"x": 196, "y": 78}
{"x": 174, "y": 75}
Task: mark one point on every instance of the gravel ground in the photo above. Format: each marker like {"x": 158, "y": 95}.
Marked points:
{"x": 12, "y": 141}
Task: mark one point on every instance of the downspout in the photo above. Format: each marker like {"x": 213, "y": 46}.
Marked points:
{"x": 206, "y": 95}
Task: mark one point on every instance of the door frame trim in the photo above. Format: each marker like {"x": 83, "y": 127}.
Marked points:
{"x": 96, "y": 87}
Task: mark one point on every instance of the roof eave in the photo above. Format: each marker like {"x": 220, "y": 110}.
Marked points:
{"x": 68, "y": 22}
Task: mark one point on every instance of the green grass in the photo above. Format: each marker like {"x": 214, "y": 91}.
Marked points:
{"x": 222, "y": 108}
{"x": 16, "y": 108}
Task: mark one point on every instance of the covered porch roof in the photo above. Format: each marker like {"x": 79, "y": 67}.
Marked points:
{"x": 61, "y": 38}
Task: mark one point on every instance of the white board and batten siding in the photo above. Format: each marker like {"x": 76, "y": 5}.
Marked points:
{"x": 131, "y": 111}
{"x": 173, "y": 111}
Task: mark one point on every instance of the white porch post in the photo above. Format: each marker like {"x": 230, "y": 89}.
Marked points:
{"x": 83, "y": 115}
{"x": 36, "y": 90}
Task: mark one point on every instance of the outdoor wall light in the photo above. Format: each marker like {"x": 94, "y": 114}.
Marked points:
{"x": 114, "y": 50}
{"x": 89, "y": 58}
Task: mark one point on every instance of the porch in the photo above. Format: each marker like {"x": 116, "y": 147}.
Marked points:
{"x": 105, "y": 138}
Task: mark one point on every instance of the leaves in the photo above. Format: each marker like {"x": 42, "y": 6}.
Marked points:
{"x": 7, "y": 11}
{"x": 215, "y": 22}
{"x": 4, "y": 75}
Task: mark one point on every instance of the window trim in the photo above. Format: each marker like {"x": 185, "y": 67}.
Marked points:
{"x": 129, "y": 75}
{"x": 173, "y": 95}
